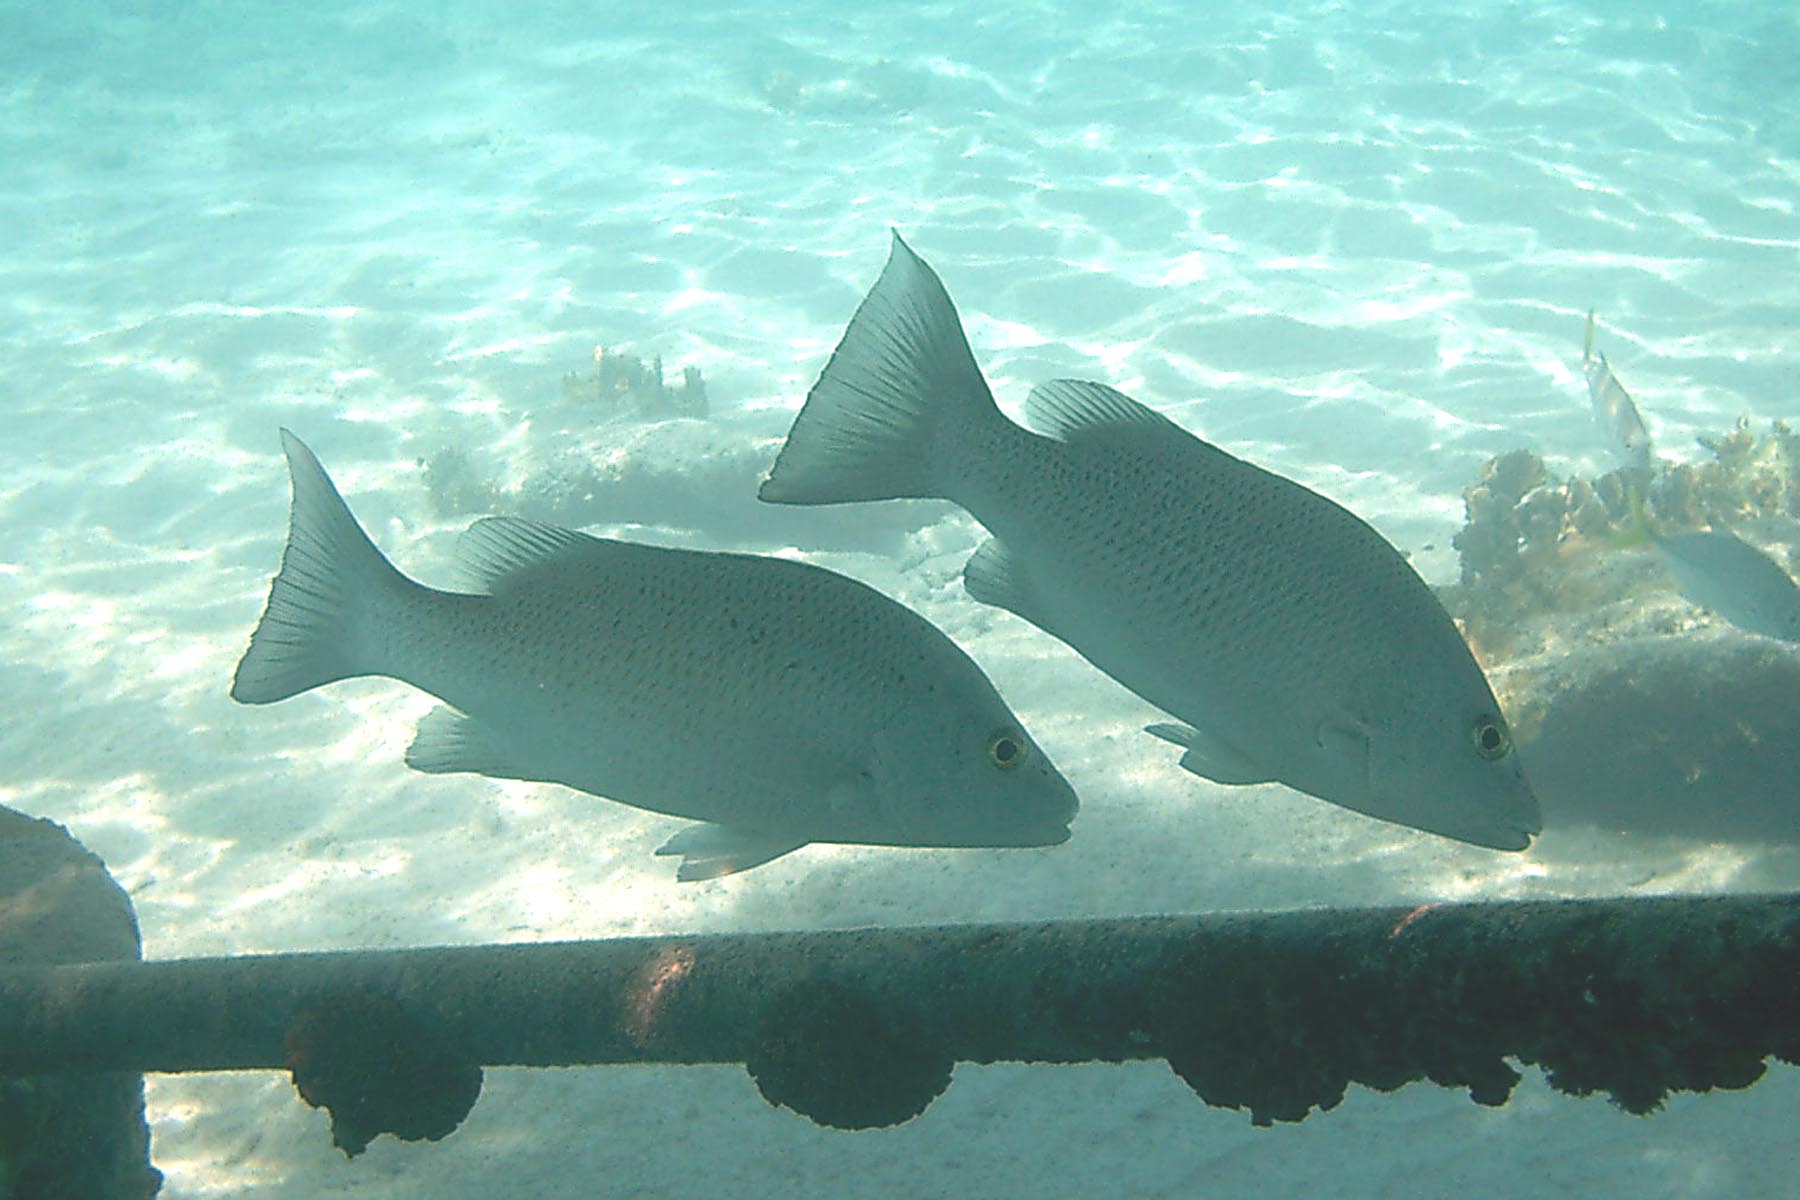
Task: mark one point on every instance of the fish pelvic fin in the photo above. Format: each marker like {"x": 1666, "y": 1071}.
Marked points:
{"x": 1210, "y": 757}
{"x": 330, "y": 569}
{"x": 449, "y": 742}
{"x": 898, "y": 388}
{"x": 1587, "y": 339}
{"x": 994, "y": 575}
{"x": 710, "y": 851}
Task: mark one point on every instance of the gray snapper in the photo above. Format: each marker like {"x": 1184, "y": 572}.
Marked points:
{"x": 779, "y": 702}
{"x": 1292, "y": 642}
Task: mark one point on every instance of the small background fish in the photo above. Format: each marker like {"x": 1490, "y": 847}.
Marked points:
{"x": 1729, "y": 577}
{"x": 1626, "y": 434}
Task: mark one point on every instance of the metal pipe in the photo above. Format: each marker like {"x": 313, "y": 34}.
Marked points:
{"x": 1276, "y": 1012}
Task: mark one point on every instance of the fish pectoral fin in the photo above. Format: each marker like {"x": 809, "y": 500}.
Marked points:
{"x": 1211, "y": 757}
{"x": 711, "y": 851}
{"x": 993, "y": 575}
{"x": 1343, "y": 737}
{"x": 448, "y": 742}
{"x": 851, "y": 793}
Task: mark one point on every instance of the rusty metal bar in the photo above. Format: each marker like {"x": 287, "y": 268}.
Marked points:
{"x": 1274, "y": 1012}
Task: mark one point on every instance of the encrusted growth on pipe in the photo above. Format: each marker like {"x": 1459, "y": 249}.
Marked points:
{"x": 379, "y": 1066}
{"x": 846, "y": 1056}
{"x": 1635, "y": 1001}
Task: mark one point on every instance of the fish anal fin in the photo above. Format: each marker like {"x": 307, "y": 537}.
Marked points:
{"x": 994, "y": 575}
{"x": 1211, "y": 757}
{"x": 447, "y": 742}
{"x": 712, "y": 851}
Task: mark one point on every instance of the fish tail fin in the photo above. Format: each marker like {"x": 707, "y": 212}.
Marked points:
{"x": 884, "y": 418}
{"x": 1638, "y": 530}
{"x": 319, "y": 598}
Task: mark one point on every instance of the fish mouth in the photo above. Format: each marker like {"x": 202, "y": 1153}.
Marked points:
{"x": 1042, "y": 821}
{"x": 1514, "y": 838}
{"x": 1475, "y": 827}
{"x": 1037, "y": 833}
{"x": 1056, "y": 824}
{"x": 1513, "y": 829}
{"x": 1528, "y": 824}
{"x": 1015, "y": 837}
{"x": 1512, "y": 834}
{"x": 1046, "y": 833}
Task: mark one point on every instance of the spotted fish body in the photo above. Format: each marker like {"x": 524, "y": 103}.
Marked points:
{"x": 1291, "y": 641}
{"x": 782, "y": 703}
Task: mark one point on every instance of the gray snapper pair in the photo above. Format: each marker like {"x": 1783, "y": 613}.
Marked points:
{"x": 1289, "y": 638}
{"x": 778, "y": 702}
{"x": 783, "y": 704}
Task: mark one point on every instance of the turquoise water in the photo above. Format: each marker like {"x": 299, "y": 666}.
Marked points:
{"x": 1353, "y": 243}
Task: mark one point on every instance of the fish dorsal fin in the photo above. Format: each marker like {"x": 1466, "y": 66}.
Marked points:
{"x": 495, "y": 548}
{"x": 1062, "y": 407}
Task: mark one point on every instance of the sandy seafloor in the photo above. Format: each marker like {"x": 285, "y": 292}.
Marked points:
{"x": 1351, "y": 242}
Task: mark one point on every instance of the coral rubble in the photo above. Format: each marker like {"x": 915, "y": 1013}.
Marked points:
{"x": 626, "y": 383}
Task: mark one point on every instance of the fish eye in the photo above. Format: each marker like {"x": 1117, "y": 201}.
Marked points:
{"x": 1490, "y": 738}
{"x": 1006, "y": 751}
